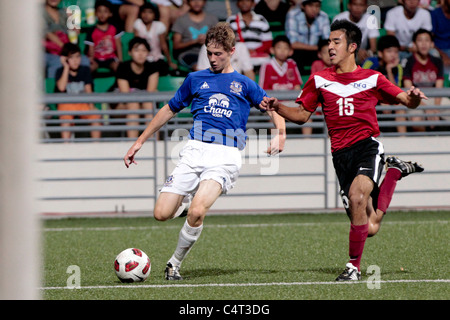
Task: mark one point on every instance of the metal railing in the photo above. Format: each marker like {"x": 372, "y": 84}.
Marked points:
{"x": 113, "y": 127}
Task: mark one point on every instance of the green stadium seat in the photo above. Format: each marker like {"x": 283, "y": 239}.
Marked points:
{"x": 277, "y": 29}
{"x": 172, "y": 83}
{"x": 50, "y": 85}
{"x": 305, "y": 78}
{"x": 125, "y": 40}
{"x": 81, "y": 38}
{"x": 169, "y": 83}
{"x": 104, "y": 84}
{"x": 331, "y": 7}
{"x": 50, "y": 88}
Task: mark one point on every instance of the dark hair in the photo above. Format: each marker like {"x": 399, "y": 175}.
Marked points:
{"x": 137, "y": 41}
{"x": 387, "y": 41}
{"x": 420, "y": 31}
{"x": 351, "y": 1}
{"x": 151, "y": 6}
{"x": 322, "y": 43}
{"x": 352, "y": 32}
{"x": 103, "y": 3}
{"x": 69, "y": 48}
{"x": 281, "y": 38}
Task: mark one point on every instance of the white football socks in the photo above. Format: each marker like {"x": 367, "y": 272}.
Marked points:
{"x": 186, "y": 239}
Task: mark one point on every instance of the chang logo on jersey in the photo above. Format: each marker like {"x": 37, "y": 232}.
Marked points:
{"x": 218, "y": 106}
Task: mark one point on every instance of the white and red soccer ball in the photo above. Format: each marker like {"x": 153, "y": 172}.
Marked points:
{"x": 132, "y": 265}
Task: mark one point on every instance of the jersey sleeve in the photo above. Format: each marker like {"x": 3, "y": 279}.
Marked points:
{"x": 255, "y": 94}
{"x": 309, "y": 96}
{"x": 387, "y": 91}
{"x": 182, "y": 97}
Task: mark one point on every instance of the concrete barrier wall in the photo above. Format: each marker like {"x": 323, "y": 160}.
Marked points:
{"x": 91, "y": 177}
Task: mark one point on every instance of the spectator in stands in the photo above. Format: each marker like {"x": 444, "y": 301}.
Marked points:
{"x": 388, "y": 60}
{"x": 388, "y": 63}
{"x": 125, "y": 12}
{"x": 324, "y": 57}
{"x": 281, "y": 72}
{"x": 322, "y": 63}
{"x": 189, "y": 32}
{"x": 103, "y": 40}
{"x": 74, "y": 78}
{"x": 171, "y": 10}
{"x": 306, "y": 24}
{"x": 357, "y": 13}
{"x": 149, "y": 27}
{"x": 424, "y": 71}
{"x": 240, "y": 60}
{"x": 402, "y": 21}
{"x": 253, "y": 30}
{"x": 440, "y": 18}
{"x": 137, "y": 75}
{"x": 275, "y": 13}
{"x": 55, "y": 36}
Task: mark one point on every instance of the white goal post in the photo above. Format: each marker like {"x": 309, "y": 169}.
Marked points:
{"x": 20, "y": 58}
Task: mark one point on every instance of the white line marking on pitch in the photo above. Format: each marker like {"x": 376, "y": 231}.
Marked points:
{"x": 250, "y": 225}
{"x": 125, "y": 286}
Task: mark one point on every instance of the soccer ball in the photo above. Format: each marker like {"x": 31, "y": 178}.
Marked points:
{"x": 132, "y": 265}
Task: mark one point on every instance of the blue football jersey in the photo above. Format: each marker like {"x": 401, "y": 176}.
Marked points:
{"x": 220, "y": 105}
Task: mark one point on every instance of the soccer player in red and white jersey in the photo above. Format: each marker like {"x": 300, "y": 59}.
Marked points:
{"x": 348, "y": 95}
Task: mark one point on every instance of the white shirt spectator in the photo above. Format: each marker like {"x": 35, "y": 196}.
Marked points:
{"x": 240, "y": 60}
{"x": 404, "y": 28}
{"x": 152, "y": 37}
{"x": 363, "y": 25}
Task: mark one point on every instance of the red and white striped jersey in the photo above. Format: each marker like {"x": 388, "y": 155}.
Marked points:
{"x": 348, "y": 102}
{"x": 272, "y": 76}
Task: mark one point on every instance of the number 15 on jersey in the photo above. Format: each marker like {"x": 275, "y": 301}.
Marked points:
{"x": 346, "y": 106}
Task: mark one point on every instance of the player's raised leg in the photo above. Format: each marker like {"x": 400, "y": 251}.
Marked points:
{"x": 396, "y": 170}
{"x": 207, "y": 194}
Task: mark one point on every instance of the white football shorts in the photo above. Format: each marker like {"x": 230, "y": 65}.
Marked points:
{"x": 204, "y": 161}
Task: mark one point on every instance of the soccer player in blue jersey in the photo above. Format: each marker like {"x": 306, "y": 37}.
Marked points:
{"x": 209, "y": 164}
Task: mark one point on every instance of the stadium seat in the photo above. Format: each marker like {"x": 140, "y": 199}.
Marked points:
{"x": 331, "y": 7}
{"x": 50, "y": 85}
{"x": 81, "y": 38}
{"x": 104, "y": 84}
{"x": 50, "y": 88}
{"x": 279, "y": 29}
{"x": 305, "y": 78}
{"x": 125, "y": 40}
{"x": 169, "y": 83}
{"x": 172, "y": 83}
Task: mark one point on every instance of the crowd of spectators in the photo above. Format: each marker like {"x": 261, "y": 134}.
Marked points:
{"x": 407, "y": 40}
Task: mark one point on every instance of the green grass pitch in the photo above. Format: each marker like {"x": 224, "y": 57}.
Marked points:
{"x": 251, "y": 257}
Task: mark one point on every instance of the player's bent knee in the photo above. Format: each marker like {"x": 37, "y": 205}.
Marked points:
{"x": 196, "y": 213}
{"x": 160, "y": 215}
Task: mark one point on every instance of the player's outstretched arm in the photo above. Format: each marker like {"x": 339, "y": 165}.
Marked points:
{"x": 279, "y": 136}
{"x": 297, "y": 115}
{"x": 160, "y": 119}
{"x": 412, "y": 97}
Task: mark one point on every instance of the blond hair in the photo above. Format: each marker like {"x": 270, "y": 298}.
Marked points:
{"x": 221, "y": 35}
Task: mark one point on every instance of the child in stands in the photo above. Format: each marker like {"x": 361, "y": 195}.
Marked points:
{"x": 103, "y": 40}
